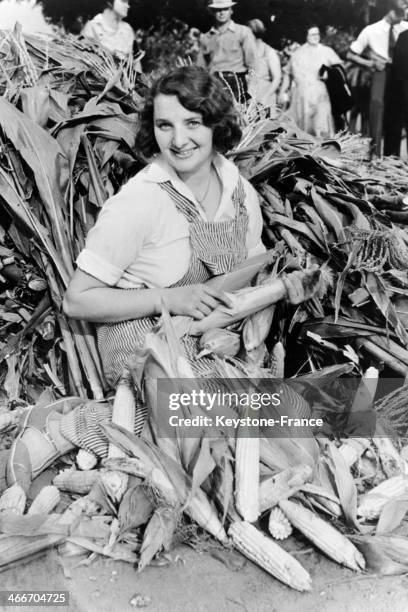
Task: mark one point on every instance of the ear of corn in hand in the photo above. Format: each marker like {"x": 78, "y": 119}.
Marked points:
{"x": 13, "y": 500}
{"x": 270, "y": 556}
{"x": 333, "y": 543}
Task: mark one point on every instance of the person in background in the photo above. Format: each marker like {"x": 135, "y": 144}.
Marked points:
{"x": 377, "y": 42}
{"x": 268, "y": 73}
{"x": 310, "y": 104}
{"x": 397, "y": 100}
{"x": 110, "y": 30}
{"x": 229, "y": 49}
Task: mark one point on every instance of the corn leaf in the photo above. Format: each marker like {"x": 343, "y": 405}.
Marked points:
{"x": 49, "y": 165}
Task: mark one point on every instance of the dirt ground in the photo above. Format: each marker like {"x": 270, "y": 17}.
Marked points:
{"x": 199, "y": 582}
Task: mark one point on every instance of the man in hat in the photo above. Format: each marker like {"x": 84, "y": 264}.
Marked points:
{"x": 229, "y": 49}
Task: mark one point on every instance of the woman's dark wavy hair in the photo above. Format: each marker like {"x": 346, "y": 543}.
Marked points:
{"x": 198, "y": 91}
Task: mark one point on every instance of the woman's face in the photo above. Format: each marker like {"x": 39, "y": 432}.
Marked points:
{"x": 121, "y": 8}
{"x": 183, "y": 139}
{"x": 313, "y": 36}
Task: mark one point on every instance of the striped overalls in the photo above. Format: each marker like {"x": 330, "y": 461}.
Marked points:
{"x": 217, "y": 246}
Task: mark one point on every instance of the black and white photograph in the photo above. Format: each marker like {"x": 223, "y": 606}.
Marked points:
{"x": 204, "y": 305}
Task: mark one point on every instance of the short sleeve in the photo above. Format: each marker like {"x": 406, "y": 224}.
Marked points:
{"x": 114, "y": 242}
{"x": 254, "y": 244}
{"x": 88, "y": 30}
{"x": 332, "y": 57}
{"x": 361, "y": 43}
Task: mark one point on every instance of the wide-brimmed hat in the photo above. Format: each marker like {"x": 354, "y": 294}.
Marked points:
{"x": 221, "y": 4}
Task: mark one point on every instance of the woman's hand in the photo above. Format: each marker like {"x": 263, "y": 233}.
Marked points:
{"x": 196, "y": 301}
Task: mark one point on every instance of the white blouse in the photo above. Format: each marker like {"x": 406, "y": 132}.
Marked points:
{"x": 140, "y": 239}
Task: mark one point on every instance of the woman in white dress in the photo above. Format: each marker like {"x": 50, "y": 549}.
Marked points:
{"x": 265, "y": 82}
{"x": 310, "y": 104}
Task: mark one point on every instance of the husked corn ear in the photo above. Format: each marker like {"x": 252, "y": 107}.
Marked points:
{"x": 277, "y": 360}
{"x": 257, "y": 326}
{"x": 283, "y": 485}
{"x": 372, "y": 503}
{"x": 123, "y": 410}
{"x": 115, "y": 483}
{"x": 203, "y": 512}
{"x": 270, "y": 556}
{"x": 220, "y": 342}
{"x": 247, "y": 477}
{"x": 85, "y": 460}
{"x": 13, "y": 500}
{"x": 45, "y": 501}
{"x": 333, "y": 543}
{"x": 76, "y": 481}
{"x": 279, "y": 526}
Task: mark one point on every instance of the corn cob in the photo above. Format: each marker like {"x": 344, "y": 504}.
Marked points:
{"x": 13, "y": 500}
{"x": 270, "y": 556}
{"x": 322, "y": 499}
{"x": 283, "y": 485}
{"x": 85, "y": 460}
{"x": 273, "y": 198}
{"x": 247, "y": 477}
{"x": 372, "y": 503}
{"x": 45, "y": 501}
{"x": 277, "y": 360}
{"x": 115, "y": 483}
{"x": 257, "y": 326}
{"x": 123, "y": 410}
{"x": 203, "y": 512}
{"x": 279, "y": 527}
{"x": 76, "y": 481}
{"x": 323, "y": 535}
{"x": 247, "y": 301}
{"x": 220, "y": 342}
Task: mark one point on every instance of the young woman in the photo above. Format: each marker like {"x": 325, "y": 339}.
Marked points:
{"x": 310, "y": 104}
{"x": 189, "y": 215}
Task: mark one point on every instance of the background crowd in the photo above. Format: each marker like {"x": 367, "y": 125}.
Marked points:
{"x": 291, "y": 56}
